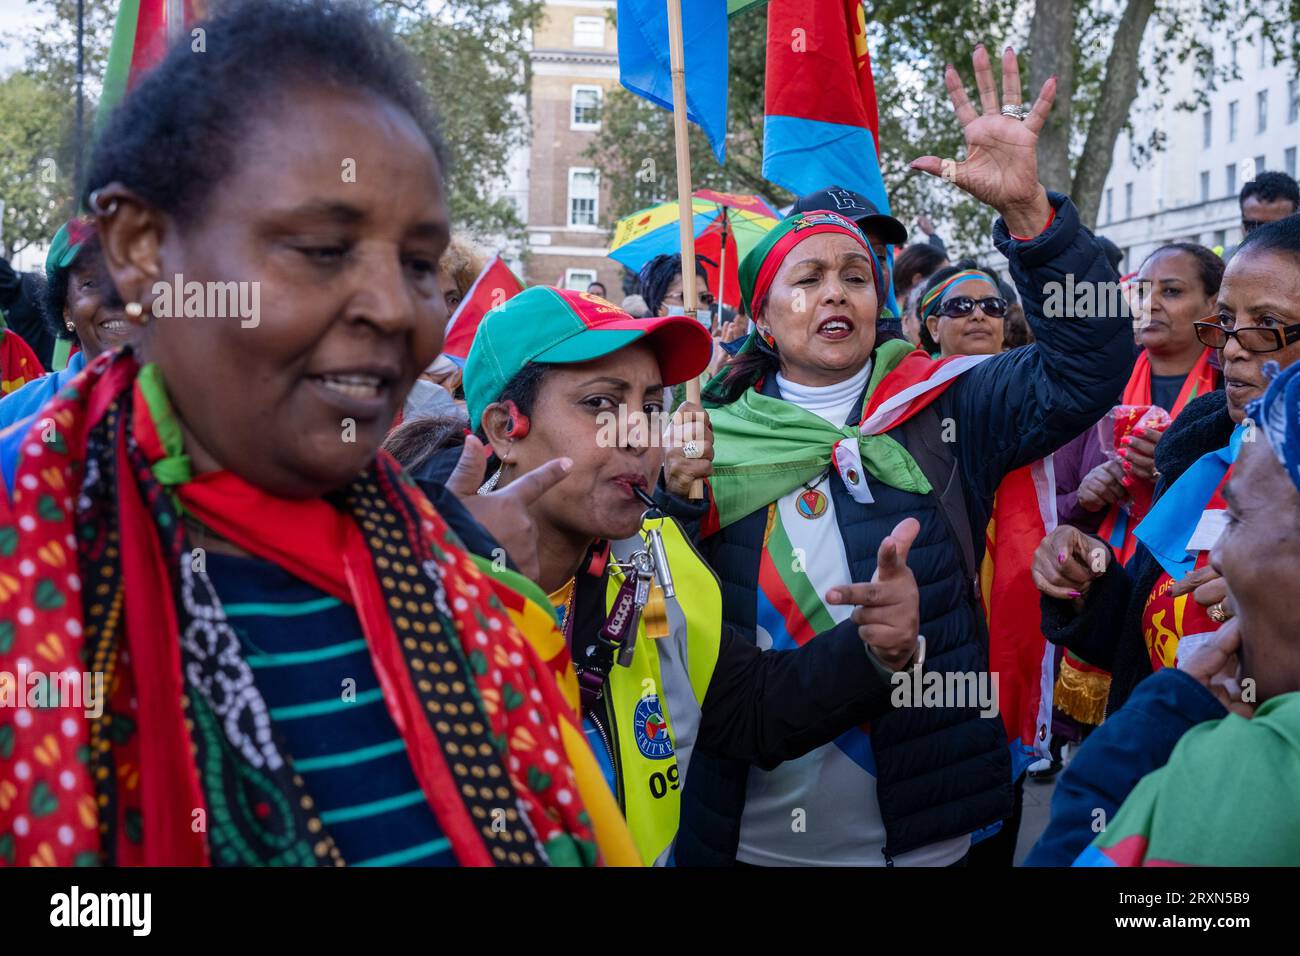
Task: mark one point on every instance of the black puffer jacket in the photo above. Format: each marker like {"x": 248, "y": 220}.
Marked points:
{"x": 1108, "y": 632}
{"x": 942, "y": 772}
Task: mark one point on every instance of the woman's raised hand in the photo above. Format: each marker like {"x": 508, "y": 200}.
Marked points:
{"x": 1001, "y": 165}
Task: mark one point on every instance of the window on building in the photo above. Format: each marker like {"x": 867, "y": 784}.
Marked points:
{"x": 589, "y": 31}
{"x": 1205, "y": 187}
{"x": 1230, "y": 174}
{"x": 1263, "y": 51}
{"x": 1128, "y": 200}
{"x": 1259, "y": 166}
{"x": 1220, "y": 238}
{"x": 579, "y": 279}
{"x": 584, "y": 191}
{"x": 1261, "y": 111}
{"x": 1235, "y": 44}
{"x": 586, "y": 108}
{"x": 1289, "y": 161}
{"x": 1292, "y": 101}
{"x": 1232, "y": 121}
{"x": 1207, "y": 128}
{"x": 1110, "y": 205}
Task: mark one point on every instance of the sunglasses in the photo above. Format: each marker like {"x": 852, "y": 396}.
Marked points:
{"x": 960, "y": 306}
{"x": 1253, "y": 338}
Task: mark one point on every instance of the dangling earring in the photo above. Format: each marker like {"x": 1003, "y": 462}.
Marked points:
{"x": 134, "y": 310}
{"x": 767, "y": 338}
{"x": 491, "y": 483}
{"x": 71, "y": 327}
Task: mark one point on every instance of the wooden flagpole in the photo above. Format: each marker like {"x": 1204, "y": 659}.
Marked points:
{"x": 685, "y": 208}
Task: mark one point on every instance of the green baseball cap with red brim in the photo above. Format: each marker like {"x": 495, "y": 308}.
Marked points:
{"x": 560, "y": 327}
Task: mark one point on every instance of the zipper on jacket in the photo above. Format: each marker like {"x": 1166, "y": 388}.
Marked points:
{"x": 605, "y": 738}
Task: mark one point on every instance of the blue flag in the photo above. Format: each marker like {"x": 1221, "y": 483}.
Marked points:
{"x": 644, "y": 65}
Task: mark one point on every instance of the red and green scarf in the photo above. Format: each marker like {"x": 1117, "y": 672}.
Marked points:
{"x": 97, "y": 575}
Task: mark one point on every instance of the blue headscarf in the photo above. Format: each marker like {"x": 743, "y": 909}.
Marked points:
{"x": 1278, "y": 414}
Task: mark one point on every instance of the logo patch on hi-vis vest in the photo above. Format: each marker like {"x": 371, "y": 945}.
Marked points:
{"x": 651, "y": 729}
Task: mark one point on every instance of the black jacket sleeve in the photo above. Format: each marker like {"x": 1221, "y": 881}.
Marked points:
{"x": 1135, "y": 740}
{"x": 765, "y": 707}
{"x": 1094, "y": 632}
{"x": 1022, "y": 405}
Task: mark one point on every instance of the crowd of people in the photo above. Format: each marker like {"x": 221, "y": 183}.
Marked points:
{"x": 307, "y": 591}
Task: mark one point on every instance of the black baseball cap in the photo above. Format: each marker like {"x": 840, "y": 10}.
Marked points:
{"x": 854, "y": 206}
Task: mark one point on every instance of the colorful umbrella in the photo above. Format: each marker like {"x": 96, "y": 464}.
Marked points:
{"x": 745, "y": 219}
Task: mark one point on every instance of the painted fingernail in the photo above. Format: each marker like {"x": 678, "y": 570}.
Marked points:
{"x": 1075, "y": 594}
{"x": 1126, "y": 481}
{"x": 1060, "y": 557}
{"x": 566, "y": 464}
{"x": 1126, "y": 440}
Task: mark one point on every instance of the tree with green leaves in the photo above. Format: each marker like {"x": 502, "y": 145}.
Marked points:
{"x": 38, "y": 110}
{"x": 1107, "y": 58}
{"x": 475, "y": 57}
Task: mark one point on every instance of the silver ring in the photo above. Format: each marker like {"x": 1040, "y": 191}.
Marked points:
{"x": 1015, "y": 112}
{"x": 691, "y": 450}
{"x": 1216, "y": 613}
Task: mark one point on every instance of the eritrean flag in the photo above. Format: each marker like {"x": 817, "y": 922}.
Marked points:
{"x": 644, "y": 66}
{"x": 494, "y": 285}
{"x": 821, "y": 127}
{"x": 143, "y": 31}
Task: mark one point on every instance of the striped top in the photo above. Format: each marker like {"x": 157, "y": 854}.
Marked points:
{"x": 311, "y": 664}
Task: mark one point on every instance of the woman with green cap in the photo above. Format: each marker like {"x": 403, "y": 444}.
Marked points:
{"x": 555, "y": 373}
{"x": 83, "y": 307}
{"x": 826, "y": 435}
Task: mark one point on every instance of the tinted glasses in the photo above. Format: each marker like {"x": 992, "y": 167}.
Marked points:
{"x": 960, "y": 306}
{"x": 1251, "y": 338}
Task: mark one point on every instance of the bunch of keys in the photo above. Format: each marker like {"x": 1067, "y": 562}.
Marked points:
{"x": 644, "y": 567}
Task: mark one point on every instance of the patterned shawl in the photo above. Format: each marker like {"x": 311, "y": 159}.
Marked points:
{"x": 183, "y": 766}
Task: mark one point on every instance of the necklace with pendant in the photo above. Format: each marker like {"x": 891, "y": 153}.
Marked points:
{"x": 811, "y": 504}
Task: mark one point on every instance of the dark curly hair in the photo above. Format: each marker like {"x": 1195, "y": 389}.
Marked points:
{"x": 1270, "y": 187}
{"x": 414, "y": 442}
{"x": 914, "y": 264}
{"x": 658, "y": 274}
{"x": 1209, "y": 267}
{"x": 177, "y": 135}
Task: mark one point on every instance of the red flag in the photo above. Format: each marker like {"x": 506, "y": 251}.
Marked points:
{"x": 494, "y": 285}
{"x": 1023, "y": 514}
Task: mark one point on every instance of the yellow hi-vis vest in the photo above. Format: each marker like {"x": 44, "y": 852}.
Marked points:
{"x": 653, "y": 706}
